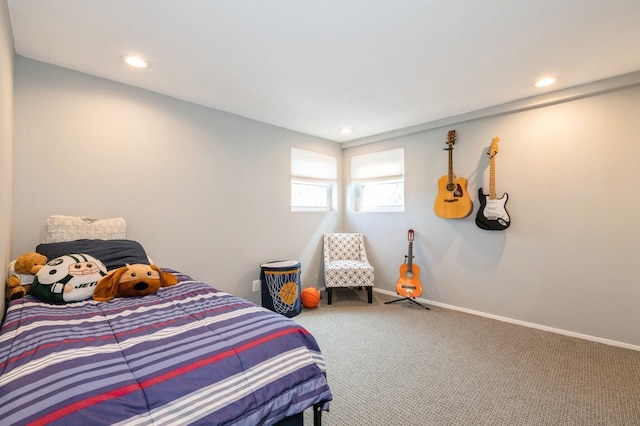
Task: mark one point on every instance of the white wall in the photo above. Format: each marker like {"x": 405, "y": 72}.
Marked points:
{"x": 205, "y": 192}
{"x": 6, "y": 141}
{"x": 568, "y": 261}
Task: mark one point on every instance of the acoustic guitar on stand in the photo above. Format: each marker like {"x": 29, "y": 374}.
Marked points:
{"x": 492, "y": 214}
{"x": 452, "y": 201}
{"x": 409, "y": 284}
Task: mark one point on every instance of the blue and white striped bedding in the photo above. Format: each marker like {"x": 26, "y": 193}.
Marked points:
{"x": 188, "y": 354}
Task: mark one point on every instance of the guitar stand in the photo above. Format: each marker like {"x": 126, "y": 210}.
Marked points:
{"x": 410, "y": 299}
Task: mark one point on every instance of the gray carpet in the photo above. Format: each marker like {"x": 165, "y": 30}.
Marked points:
{"x": 400, "y": 364}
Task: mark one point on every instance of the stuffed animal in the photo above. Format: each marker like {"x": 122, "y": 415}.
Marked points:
{"x": 69, "y": 278}
{"x": 22, "y": 271}
{"x": 132, "y": 280}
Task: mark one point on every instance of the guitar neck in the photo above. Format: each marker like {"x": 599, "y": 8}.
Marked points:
{"x": 410, "y": 258}
{"x": 450, "y": 164}
{"x": 493, "y": 150}
{"x": 451, "y": 139}
{"x": 492, "y": 178}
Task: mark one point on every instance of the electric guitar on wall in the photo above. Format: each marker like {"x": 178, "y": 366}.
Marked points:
{"x": 452, "y": 201}
{"x": 409, "y": 284}
{"x": 492, "y": 214}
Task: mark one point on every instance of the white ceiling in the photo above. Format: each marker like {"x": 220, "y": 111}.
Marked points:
{"x": 315, "y": 66}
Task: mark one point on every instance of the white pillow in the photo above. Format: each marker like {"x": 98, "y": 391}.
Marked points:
{"x": 60, "y": 228}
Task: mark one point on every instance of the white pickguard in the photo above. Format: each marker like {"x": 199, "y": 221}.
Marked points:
{"x": 495, "y": 210}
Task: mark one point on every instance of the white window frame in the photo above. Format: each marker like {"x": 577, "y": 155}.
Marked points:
{"x": 316, "y": 171}
{"x": 374, "y": 170}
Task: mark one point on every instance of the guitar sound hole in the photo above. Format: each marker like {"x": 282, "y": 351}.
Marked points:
{"x": 409, "y": 275}
{"x": 451, "y": 187}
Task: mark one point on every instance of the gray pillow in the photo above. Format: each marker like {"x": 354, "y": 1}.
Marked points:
{"x": 113, "y": 253}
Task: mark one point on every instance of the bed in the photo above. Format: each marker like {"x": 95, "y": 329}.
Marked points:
{"x": 187, "y": 354}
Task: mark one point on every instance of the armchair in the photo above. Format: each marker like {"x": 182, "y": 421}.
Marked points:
{"x": 346, "y": 263}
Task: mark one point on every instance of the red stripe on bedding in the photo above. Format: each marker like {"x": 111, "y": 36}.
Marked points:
{"x": 155, "y": 380}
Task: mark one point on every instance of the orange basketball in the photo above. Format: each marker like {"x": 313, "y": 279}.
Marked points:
{"x": 310, "y": 297}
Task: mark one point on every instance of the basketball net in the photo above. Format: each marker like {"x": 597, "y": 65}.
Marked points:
{"x": 283, "y": 288}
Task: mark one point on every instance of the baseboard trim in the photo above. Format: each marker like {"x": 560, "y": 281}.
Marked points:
{"x": 518, "y": 322}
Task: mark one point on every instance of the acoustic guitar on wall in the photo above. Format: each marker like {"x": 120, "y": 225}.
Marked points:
{"x": 452, "y": 201}
{"x": 409, "y": 285}
{"x": 492, "y": 214}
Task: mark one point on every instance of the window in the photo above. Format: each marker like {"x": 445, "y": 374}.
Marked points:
{"x": 378, "y": 181}
{"x": 313, "y": 181}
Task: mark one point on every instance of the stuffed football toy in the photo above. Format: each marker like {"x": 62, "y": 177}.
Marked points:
{"x": 22, "y": 271}
{"x": 132, "y": 280}
{"x": 69, "y": 278}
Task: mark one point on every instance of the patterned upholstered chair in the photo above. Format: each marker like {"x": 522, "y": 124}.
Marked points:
{"x": 346, "y": 264}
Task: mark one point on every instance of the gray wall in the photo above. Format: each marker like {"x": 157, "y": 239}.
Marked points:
{"x": 6, "y": 140}
{"x": 205, "y": 192}
{"x": 568, "y": 261}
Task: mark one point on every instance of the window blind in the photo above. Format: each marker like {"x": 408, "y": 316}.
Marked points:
{"x": 312, "y": 165}
{"x": 387, "y": 164}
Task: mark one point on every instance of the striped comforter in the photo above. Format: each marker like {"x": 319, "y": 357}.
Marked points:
{"x": 188, "y": 354}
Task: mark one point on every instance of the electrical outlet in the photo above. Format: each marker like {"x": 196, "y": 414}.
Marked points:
{"x": 255, "y": 285}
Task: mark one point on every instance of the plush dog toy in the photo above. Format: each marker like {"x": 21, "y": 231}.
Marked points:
{"x": 22, "y": 271}
{"x": 132, "y": 280}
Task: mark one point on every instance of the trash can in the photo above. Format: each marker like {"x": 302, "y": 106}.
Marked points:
{"x": 281, "y": 287}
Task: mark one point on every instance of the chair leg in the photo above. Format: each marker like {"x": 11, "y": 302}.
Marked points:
{"x": 329, "y": 289}
{"x": 370, "y": 294}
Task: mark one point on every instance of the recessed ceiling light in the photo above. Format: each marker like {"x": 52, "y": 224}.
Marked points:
{"x": 346, "y": 130}
{"x": 136, "y": 61}
{"x": 544, "y": 82}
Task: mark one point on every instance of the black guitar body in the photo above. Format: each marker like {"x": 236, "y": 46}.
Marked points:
{"x": 492, "y": 214}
